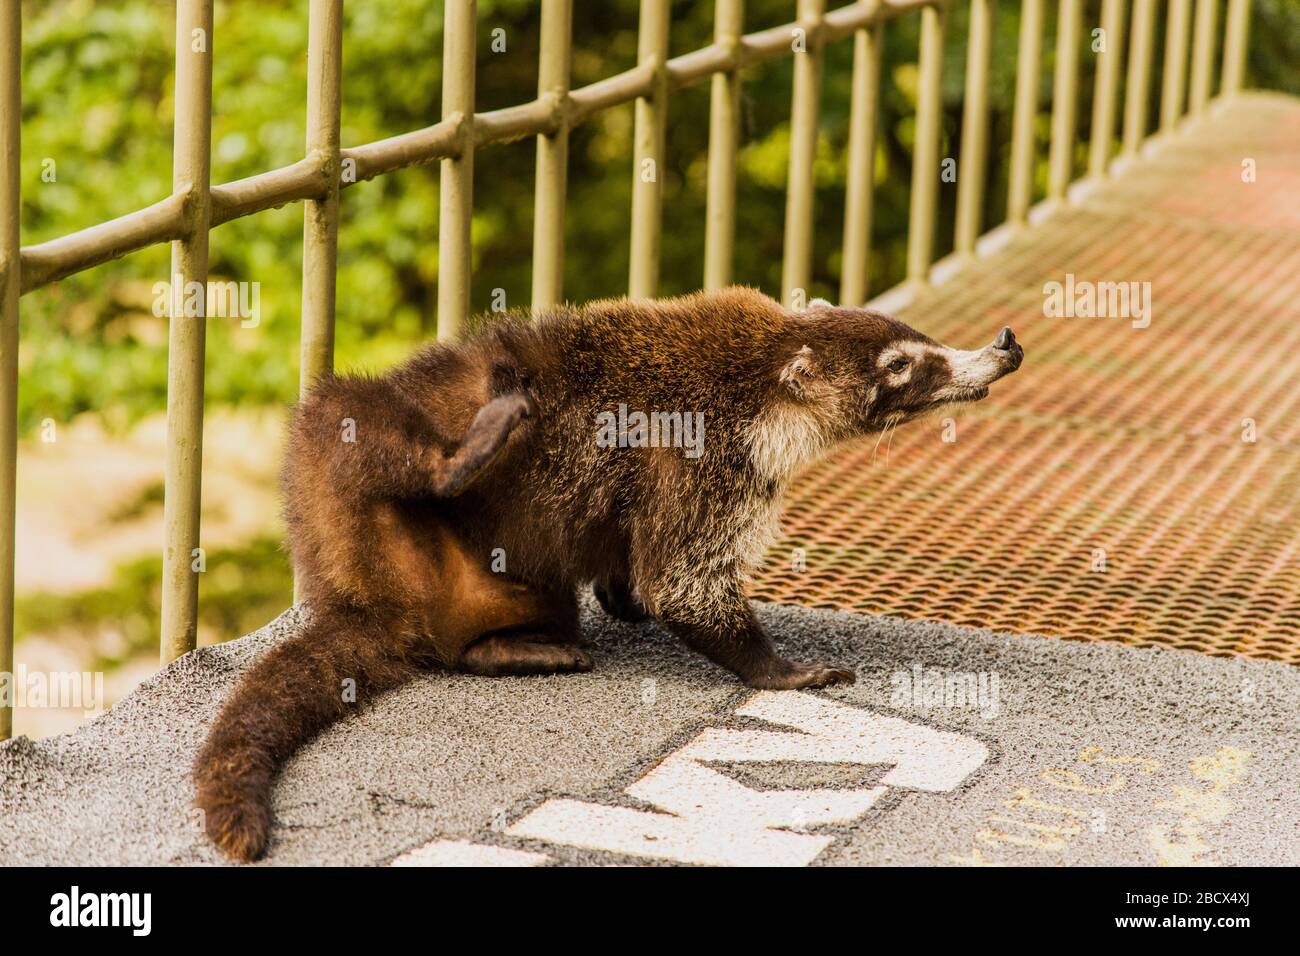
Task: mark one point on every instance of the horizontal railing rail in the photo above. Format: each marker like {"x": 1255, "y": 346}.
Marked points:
{"x": 308, "y": 178}
{"x": 195, "y": 207}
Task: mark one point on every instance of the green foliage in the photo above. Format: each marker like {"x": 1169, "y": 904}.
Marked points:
{"x": 1274, "y": 50}
{"x": 97, "y": 90}
{"x": 243, "y": 588}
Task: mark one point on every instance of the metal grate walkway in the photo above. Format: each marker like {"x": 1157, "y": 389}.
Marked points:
{"x": 1112, "y": 442}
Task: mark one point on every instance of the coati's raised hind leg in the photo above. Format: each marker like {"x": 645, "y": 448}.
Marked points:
{"x": 483, "y": 440}
{"x": 398, "y": 450}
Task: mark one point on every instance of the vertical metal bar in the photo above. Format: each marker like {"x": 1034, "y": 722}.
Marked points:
{"x": 1106, "y": 87}
{"x": 796, "y": 270}
{"x": 187, "y": 333}
{"x": 724, "y": 135}
{"x": 648, "y": 154}
{"x": 456, "y": 175}
{"x": 925, "y": 155}
{"x": 10, "y": 288}
{"x": 1171, "y": 91}
{"x": 1203, "y": 54}
{"x": 974, "y": 128}
{"x": 1139, "y": 76}
{"x": 1020, "y": 187}
{"x": 320, "y": 233}
{"x": 1065, "y": 87}
{"x": 320, "y": 217}
{"x": 553, "y": 71}
{"x": 860, "y": 191}
{"x": 1234, "y": 47}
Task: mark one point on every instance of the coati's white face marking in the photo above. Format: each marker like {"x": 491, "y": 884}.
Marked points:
{"x": 833, "y": 388}
{"x": 975, "y": 369}
{"x": 968, "y": 372}
{"x": 836, "y": 391}
{"x": 897, "y": 361}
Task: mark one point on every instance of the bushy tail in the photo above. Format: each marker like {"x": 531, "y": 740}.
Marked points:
{"x": 291, "y": 693}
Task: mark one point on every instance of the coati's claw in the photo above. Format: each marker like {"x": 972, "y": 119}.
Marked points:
{"x": 793, "y": 676}
{"x": 581, "y": 659}
{"x": 502, "y": 414}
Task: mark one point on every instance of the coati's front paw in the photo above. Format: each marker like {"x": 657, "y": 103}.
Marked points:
{"x": 788, "y": 675}
{"x": 620, "y": 603}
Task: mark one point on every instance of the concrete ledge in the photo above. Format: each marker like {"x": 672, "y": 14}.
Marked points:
{"x": 457, "y": 761}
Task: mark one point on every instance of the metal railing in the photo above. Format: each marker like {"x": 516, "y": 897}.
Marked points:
{"x": 195, "y": 207}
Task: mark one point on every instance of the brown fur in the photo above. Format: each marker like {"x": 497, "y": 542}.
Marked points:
{"x": 473, "y": 452}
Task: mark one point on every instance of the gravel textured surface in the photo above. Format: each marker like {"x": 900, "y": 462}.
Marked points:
{"x": 1074, "y": 753}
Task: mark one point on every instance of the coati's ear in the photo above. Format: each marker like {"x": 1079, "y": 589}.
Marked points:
{"x": 820, "y": 304}
{"x": 801, "y": 372}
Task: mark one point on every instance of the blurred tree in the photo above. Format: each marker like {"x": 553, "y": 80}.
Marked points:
{"x": 97, "y": 112}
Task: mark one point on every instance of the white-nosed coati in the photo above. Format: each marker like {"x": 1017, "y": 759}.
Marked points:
{"x": 446, "y": 512}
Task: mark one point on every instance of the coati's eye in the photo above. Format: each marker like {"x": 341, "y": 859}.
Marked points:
{"x": 898, "y": 365}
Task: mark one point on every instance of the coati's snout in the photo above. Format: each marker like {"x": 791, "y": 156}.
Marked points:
{"x": 1007, "y": 347}
{"x": 883, "y": 372}
{"x": 971, "y": 373}
{"x": 918, "y": 375}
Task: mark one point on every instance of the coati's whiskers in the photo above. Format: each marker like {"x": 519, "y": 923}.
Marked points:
{"x": 891, "y": 423}
{"x": 890, "y": 442}
{"x": 879, "y": 435}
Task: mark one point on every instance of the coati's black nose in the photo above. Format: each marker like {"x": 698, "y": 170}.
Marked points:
{"x": 1007, "y": 350}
